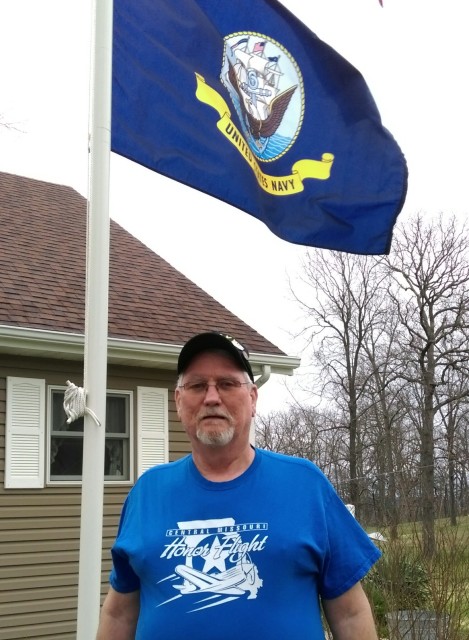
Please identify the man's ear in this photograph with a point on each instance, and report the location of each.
(177, 398)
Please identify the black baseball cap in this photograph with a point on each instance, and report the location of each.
(214, 340)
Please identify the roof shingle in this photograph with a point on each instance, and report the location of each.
(42, 281)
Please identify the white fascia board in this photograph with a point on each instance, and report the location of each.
(70, 346)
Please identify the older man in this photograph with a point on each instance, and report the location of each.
(231, 541)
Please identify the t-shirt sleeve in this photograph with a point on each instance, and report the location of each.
(351, 553)
(122, 577)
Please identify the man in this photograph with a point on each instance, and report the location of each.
(233, 542)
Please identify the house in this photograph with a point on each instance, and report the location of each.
(153, 310)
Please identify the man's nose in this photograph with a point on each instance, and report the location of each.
(211, 395)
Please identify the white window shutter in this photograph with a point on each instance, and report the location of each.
(152, 419)
(25, 439)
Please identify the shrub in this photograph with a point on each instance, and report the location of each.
(398, 581)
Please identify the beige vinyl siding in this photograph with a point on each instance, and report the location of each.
(39, 541)
(179, 444)
(39, 537)
(40, 528)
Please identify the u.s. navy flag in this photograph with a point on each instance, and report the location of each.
(240, 100)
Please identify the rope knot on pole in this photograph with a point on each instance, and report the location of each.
(75, 404)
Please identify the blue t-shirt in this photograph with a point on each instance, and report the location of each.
(248, 558)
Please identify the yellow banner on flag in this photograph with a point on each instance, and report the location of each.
(275, 185)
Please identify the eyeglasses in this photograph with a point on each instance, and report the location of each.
(223, 387)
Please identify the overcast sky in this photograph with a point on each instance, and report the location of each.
(413, 55)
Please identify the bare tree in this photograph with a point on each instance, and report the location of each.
(385, 388)
(452, 401)
(341, 305)
(303, 432)
(430, 271)
(389, 344)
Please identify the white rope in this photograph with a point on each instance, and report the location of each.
(75, 404)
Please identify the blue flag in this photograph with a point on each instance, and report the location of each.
(242, 101)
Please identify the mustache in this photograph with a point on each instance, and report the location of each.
(213, 413)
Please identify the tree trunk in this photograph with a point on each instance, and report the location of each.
(353, 433)
(428, 474)
(391, 510)
(451, 472)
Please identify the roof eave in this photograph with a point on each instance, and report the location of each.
(43, 343)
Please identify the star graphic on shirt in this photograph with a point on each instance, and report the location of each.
(215, 559)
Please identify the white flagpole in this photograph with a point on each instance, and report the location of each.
(96, 322)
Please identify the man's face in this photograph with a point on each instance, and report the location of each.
(216, 417)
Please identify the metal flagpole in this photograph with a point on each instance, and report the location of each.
(96, 322)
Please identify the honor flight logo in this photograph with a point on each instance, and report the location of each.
(266, 91)
(213, 561)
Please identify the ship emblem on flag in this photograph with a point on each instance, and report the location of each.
(266, 90)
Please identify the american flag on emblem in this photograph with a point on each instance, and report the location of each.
(259, 47)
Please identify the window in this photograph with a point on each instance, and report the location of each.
(35, 452)
(66, 440)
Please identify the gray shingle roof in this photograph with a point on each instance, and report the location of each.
(42, 274)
